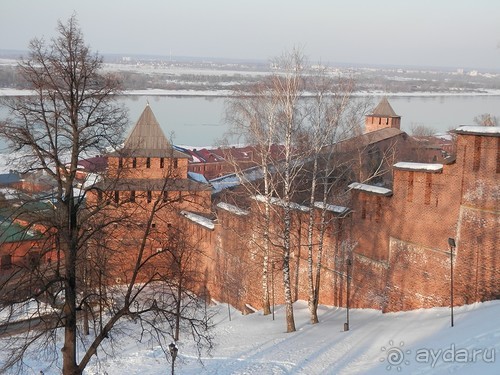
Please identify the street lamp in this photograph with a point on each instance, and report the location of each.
(348, 276)
(173, 352)
(272, 284)
(451, 243)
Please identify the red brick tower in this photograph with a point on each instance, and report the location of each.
(383, 116)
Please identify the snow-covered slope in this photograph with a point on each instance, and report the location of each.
(416, 342)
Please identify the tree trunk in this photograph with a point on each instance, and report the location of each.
(178, 311)
(70, 366)
(313, 296)
(266, 307)
(290, 321)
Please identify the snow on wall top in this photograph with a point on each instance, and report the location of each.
(331, 207)
(233, 209)
(425, 167)
(370, 188)
(203, 221)
(280, 202)
(472, 129)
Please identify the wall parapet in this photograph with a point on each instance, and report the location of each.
(378, 190)
(419, 167)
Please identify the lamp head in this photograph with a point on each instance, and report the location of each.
(173, 350)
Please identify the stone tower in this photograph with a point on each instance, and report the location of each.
(383, 116)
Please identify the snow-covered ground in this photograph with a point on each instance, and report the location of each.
(415, 342)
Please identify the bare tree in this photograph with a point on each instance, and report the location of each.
(486, 119)
(419, 130)
(333, 115)
(254, 116)
(71, 115)
(269, 115)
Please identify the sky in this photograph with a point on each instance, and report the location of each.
(439, 33)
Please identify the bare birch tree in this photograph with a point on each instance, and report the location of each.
(71, 115)
(332, 115)
(254, 116)
(288, 88)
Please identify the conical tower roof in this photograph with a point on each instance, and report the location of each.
(384, 109)
(148, 140)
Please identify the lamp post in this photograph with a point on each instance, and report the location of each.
(451, 243)
(272, 284)
(173, 352)
(348, 276)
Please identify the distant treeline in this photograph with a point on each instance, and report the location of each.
(367, 80)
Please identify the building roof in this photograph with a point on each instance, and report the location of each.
(95, 164)
(384, 109)
(9, 178)
(159, 184)
(362, 141)
(148, 140)
(14, 232)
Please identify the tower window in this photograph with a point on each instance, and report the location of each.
(132, 196)
(162, 162)
(134, 163)
(148, 162)
(150, 196)
(117, 196)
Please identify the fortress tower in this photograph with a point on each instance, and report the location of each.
(383, 116)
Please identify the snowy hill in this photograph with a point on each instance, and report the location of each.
(416, 342)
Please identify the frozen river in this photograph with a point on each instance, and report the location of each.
(199, 120)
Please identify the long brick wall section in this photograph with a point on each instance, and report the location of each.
(397, 243)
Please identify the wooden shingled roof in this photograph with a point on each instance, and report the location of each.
(148, 140)
(384, 109)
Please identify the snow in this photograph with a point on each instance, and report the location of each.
(203, 221)
(281, 202)
(24, 311)
(198, 177)
(331, 207)
(414, 342)
(224, 182)
(231, 208)
(370, 188)
(419, 166)
(478, 129)
(233, 179)
(163, 92)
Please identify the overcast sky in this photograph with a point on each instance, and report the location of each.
(446, 33)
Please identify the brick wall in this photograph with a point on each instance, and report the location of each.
(398, 244)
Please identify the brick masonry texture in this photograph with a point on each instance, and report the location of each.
(398, 244)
